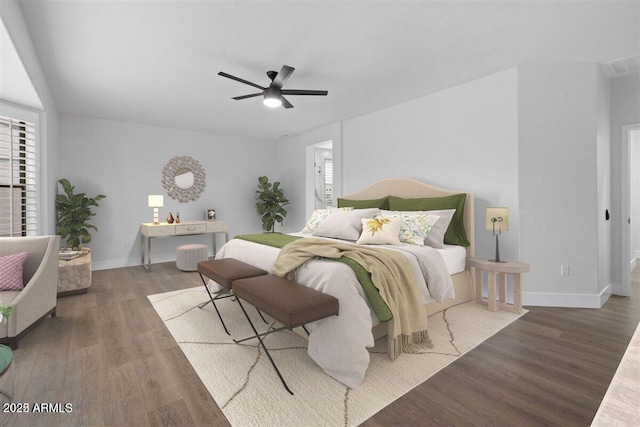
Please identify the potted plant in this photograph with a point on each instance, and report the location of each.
(74, 212)
(270, 203)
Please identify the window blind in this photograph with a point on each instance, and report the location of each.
(18, 178)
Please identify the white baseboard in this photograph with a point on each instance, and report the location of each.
(618, 289)
(633, 264)
(567, 300)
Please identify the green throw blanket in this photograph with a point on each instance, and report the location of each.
(378, 305)
(389, 273)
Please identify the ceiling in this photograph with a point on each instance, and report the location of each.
(156, 62)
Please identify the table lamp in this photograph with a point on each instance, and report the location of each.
(155, 202)
(497, 222)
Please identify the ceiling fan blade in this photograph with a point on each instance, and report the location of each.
(304, 92)
(246, 96)
(238, 79)
(285, 103)
(282, 76)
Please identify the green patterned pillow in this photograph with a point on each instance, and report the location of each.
(455, 234)
(364, 204)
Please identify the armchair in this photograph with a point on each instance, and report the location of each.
(37, 300)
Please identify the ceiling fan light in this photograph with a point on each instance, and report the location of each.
(272, 97)
(272, 102)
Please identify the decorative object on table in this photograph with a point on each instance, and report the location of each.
(67, 254)
(5, 312)
(183, 178)
(170, 218)
(271, 202)
(497, 222)
(211, 215)
(273, 94)
(74, 210)
(156, 201)
(177, 217)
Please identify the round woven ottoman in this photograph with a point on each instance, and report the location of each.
(189, 256)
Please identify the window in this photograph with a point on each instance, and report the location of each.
(18, 179)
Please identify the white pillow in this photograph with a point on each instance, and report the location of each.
(380, 231)
(318, 216)
(345, 225)
(435, 238)
(415, 227)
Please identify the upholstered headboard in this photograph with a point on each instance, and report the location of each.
(410, 188)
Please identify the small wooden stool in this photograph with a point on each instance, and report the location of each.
(290, 303)
(224, 272)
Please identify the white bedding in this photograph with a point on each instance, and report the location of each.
(338, 344)
(455, 258)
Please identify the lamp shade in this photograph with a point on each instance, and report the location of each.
(501, 216)
(272, 98)
(156, 201)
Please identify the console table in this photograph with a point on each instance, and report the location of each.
(150, 231)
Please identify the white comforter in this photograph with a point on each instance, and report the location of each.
(338, 344)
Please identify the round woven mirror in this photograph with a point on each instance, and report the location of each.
(183, 178)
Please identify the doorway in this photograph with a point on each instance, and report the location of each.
(630, 218)
(319, 182)
(323, 165)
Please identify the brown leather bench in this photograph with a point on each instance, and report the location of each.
(225, 272)
(288, 302)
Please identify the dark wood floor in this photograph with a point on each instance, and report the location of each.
(110, 356)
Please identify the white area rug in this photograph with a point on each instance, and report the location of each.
(245, 386)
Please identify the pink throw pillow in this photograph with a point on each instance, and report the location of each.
(11, 272)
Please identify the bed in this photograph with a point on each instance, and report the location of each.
(339, 344)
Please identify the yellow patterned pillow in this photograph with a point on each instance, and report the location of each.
(380, 231)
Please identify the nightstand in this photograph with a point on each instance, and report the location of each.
(501, 269)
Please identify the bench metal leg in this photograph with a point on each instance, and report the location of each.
(214, 304)
(211, 301)
(265, 348)
(264, 334)
(261, 316)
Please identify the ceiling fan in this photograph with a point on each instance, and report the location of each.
(273, 95)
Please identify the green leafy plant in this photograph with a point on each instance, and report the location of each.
(5, 311)
(270, 203)
(74, 212)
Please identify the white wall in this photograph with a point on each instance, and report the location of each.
(430, 139)
(461, 138)
(535, 139)
(48, 119)
(124, 161)
(292, 166)
(634, 193)
(558, 182)
(625, 110)
(603, 156)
